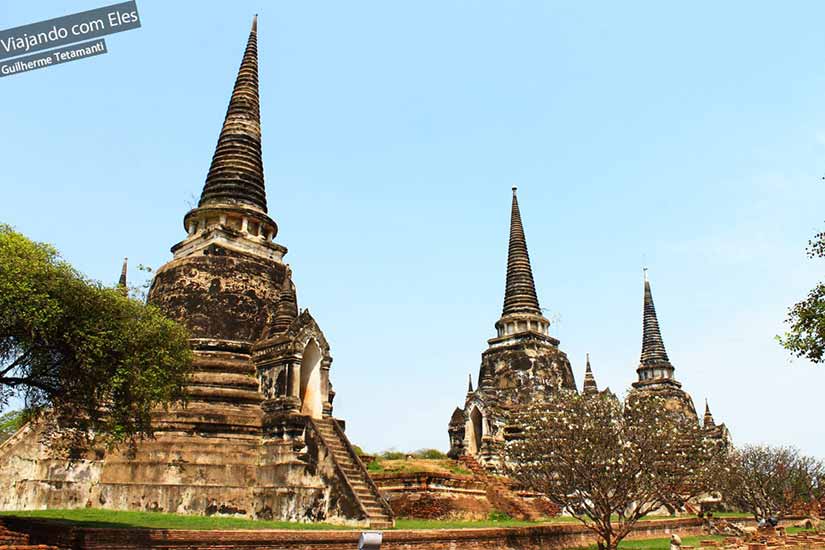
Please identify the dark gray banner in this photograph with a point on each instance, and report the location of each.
(68, 29)
(53, 57)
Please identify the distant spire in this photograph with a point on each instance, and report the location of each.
(236, 175)
(520, 292)
(654, 363)
(121, 284)
(470, 385)
(653, 348)
(708, 420)
(590, 386)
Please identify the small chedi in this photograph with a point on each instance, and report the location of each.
(523, 367)
(257, 437)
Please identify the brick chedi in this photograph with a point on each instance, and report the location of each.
(257, 437)
(656, 374)
(522, 365)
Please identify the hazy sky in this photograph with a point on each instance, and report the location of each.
(689, 138)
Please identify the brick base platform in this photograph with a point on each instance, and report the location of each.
(554, 537)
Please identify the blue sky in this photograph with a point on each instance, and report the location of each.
(688, 138)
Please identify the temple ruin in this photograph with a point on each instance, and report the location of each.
(523, 367)
(257, 437)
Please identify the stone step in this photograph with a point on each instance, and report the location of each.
(381, 525)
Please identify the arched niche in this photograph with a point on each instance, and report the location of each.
(476, 430)
(310, 391)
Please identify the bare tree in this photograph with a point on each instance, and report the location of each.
(607, 463)
(773, 481)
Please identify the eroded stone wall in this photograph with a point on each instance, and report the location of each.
(202, 474)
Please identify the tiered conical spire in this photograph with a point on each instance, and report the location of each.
(520, 292)
(236, 175)
(708, 421)
(653, 348)
(122, 281)
(654, 365)
(287, 309)
(470, 384)
(590, 386)
(122, 285)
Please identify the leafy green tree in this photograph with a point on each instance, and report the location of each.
(98, 361)
(806, 337)
(430, 454)
(10, 422)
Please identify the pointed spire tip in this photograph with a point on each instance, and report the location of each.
(236, 174)
(520, 289)
(123, 271)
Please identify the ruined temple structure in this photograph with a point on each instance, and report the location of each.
(656, 374)
(521, 366)
(257, 437)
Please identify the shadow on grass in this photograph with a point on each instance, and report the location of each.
(96, 518)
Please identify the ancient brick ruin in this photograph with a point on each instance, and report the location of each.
(257, 437)
(656, 375)
(523, 367)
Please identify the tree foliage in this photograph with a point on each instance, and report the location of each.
(99, 361)
(806, 336)
(10, 422)
(607, 463)
(773, 481)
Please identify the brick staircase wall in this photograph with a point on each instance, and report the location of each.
(499, 494)
(378, 512)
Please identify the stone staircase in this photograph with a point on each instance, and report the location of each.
(379, 514)
(499, 494)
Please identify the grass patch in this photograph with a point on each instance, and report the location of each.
(663, 543)
(93, 517)
(416, 465)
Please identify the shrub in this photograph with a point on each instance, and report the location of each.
(430, 454)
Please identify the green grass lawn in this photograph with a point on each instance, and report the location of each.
(91, 517)
(662, 543)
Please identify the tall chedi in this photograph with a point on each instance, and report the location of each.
(522, 365)
(256, 437)
(655, 372)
